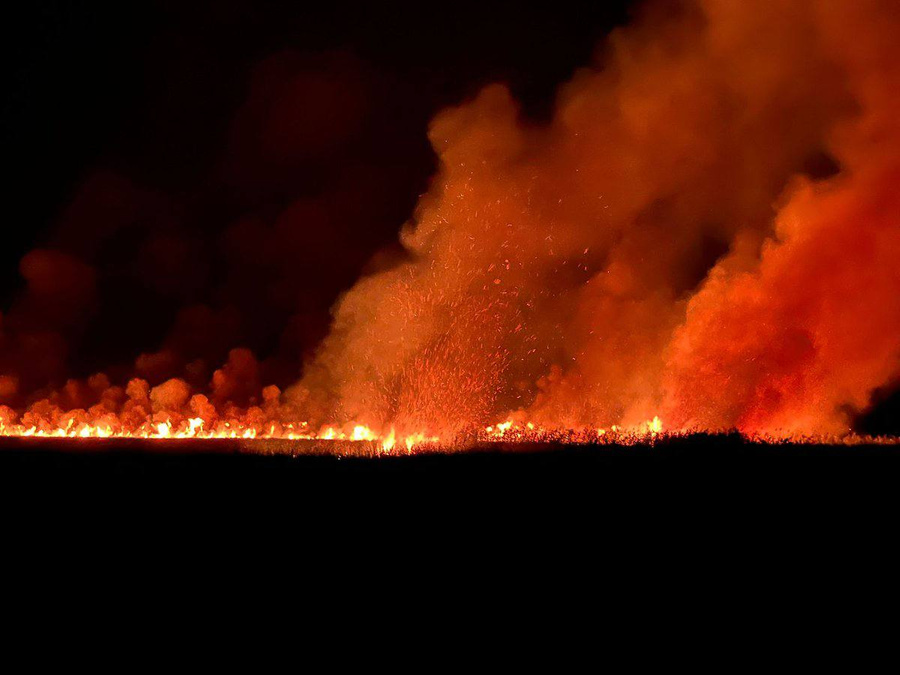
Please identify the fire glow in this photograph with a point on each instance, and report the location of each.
(195, 428)
(74, 426)
(704, 237)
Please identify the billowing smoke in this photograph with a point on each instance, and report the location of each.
(796, 333)
(707, 229)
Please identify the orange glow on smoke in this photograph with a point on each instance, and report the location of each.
(704, 236)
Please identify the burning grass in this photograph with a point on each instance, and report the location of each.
(251, 433)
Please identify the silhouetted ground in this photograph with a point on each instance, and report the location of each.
(236, 459)
(651, 493)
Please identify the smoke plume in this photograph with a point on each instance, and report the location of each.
(707, 229)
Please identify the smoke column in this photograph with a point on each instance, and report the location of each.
(708, 229)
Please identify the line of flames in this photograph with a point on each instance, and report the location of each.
(196, 428)
(509, 431)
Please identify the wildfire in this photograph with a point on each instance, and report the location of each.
(196, 428)
(702, 239)
(78, 424)
(512, 431)
(71, 425)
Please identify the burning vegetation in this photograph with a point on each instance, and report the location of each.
(704, 237)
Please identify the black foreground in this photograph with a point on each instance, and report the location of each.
(649, 491)
(239, 458)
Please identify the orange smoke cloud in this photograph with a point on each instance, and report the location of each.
(797, 336)
(707, 228)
